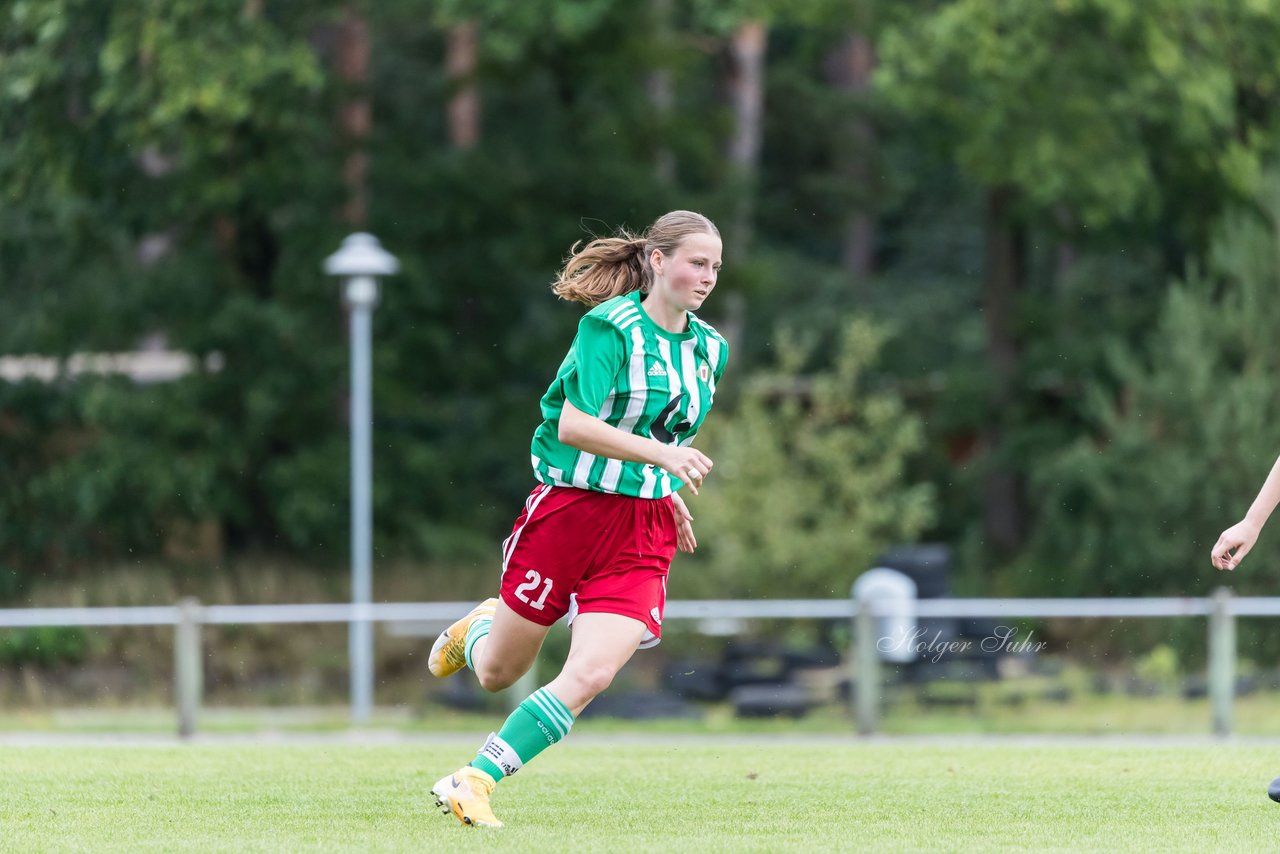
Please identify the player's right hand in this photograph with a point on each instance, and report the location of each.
(685, 540)
(1233, 545)
(687, 464)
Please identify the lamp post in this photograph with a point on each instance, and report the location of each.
(359, 261)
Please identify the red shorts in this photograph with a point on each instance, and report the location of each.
(576, 551)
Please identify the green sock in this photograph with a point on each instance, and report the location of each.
(479, 628)
(536, 724)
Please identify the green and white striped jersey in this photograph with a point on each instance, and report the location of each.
(638, 377)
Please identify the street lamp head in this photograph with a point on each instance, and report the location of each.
(361, 255)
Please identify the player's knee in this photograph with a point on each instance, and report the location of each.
(495, 678)
(592, 678)
(492, 682)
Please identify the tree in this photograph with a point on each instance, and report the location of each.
(1092, 114)
(1177, 453)
(134, 121)
(810, 480)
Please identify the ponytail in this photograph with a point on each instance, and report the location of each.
(603, 269)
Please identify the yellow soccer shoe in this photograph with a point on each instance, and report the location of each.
(465, 795)
(449, 652)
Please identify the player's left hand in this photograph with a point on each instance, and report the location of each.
(685, 541)
(1233, 545)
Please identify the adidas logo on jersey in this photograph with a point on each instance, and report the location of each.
(656, 370)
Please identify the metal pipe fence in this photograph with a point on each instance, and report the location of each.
(188, 616)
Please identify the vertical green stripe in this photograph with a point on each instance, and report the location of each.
(555, 707)
(547, 716)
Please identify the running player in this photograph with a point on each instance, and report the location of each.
(597, 535)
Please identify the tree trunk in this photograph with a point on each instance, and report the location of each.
(1004, 510)
(661, 92)
(355, 116)
(849, 71)
(747, 92)
(464, 102)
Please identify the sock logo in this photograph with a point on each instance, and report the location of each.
(497, 751)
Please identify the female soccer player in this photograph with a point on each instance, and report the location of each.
(596, 537)
(1236, 541)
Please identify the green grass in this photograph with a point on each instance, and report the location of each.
(1084, 714)
(647, 794)
(1089, 714)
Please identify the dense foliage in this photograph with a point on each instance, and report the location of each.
(1189, 437)
(810, 476)
(175, 173)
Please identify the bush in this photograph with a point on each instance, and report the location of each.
(810, 477)
(46, 646)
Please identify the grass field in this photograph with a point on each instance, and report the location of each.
(636, 793)
(1087, 714)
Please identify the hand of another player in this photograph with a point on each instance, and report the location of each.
(685, 541)
(1233, 545)
(688, 464)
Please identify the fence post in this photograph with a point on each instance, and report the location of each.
(188, 669)
(866, 686)
(1222, 660)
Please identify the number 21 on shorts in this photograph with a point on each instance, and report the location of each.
(535, 580)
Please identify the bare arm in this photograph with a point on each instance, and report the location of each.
(1236, 541)
(588, 433)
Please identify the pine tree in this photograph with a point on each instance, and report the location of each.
(810, 480)
(1185, 431)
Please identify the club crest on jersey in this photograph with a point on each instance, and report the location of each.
(704, 371)
(656, 370)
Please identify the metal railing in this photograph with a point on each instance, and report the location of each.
(188, 616)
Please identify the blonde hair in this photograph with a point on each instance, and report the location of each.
(611, 266)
